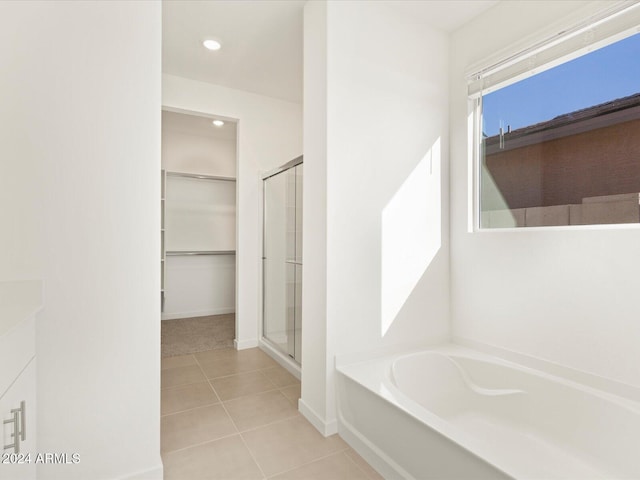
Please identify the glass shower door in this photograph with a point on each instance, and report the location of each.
(282, 261)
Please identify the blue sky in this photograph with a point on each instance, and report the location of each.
(606, 74)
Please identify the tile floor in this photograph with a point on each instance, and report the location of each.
(230, 414)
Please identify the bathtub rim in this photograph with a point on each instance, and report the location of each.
(451, 433)
(372, 371)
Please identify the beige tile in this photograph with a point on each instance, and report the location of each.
(256, 361)
(334, 467)
(280, 377)
(215, 355)
(177, 361)
(364, 466)
(256, 357)
(242, 384)
(227, 459)
(195, 426)
(229, 362)
(292, 392)
(174, 377)
(221, 367)
(257, 410)
(177, 399)
(288, 444)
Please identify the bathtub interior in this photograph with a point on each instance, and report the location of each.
(530, 418)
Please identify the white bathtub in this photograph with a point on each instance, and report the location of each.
(450, 412)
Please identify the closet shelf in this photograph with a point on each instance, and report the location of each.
(175, 253)
(201, 177)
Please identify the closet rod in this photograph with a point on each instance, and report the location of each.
(176, 253)
(202, 177)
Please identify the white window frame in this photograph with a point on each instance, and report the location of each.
(621, 19)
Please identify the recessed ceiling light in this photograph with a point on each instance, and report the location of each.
(212, 44)
(218, 123)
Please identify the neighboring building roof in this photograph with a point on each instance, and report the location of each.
(616, 111)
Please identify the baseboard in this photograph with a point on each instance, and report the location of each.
(198, 313)
(325, 428)
(155, 473)
(244, 344)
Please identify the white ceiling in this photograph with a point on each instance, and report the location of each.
(261, 44)
(446, 15)
(262, 39)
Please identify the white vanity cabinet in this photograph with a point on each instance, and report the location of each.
(18, 308)
(20, 466)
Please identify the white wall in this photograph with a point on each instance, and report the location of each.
(382, 168)
(269, 134)
(192, 152)
(316, 363)
(21, 241)
(567, 296)
(81, 90)
(182, 152)
(197, 286)
(200, 214)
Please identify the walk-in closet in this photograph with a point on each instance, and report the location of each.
(198, 233)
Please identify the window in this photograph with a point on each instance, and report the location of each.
(562, 145)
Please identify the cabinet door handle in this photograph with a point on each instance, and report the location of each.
(19, 431)
(16, 434)
(23, 428)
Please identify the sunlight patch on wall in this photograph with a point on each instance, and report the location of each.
(411, 234)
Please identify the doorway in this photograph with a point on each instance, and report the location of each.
(198, 233)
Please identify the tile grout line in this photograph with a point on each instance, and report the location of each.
(199, 363)
(226, 347)
(212, 388)
(270, 424)
(190, 409)
(234, 424)
(255, 460)
(219, 402)
(169, 368)
(275, 387)
(222, 403)
(225, 411)
(243, 442)
(199, 444)
(255, 395)
(232, 434)
(358, 466)
(338, 452)
(241, 373)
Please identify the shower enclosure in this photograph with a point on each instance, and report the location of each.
(282, 259)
